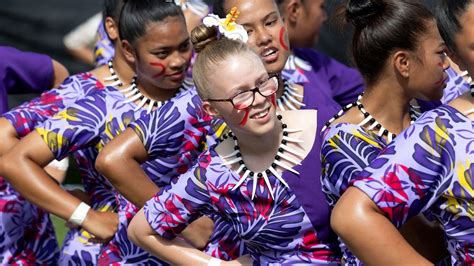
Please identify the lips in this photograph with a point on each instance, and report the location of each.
(176, 75)
(261, 114)
(269, 55)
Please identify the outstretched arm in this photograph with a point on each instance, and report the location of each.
(23, 168)
(369, 234)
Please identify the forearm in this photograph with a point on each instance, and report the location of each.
(33, 183)
(129, 179)
(7, 135)
(176, 252)
(369, 234)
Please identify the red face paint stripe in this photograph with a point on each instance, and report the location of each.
(282, 39)
(246, 118)
(158, 65)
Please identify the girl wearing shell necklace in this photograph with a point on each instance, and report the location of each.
(259, 180)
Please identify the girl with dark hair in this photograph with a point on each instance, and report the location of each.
(428, 168)
(20, 121)
(259, 180)
(398, 50)
(155, 40)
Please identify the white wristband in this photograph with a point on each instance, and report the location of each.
(79, 214)
(214, 262)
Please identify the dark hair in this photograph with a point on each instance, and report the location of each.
(112, 9)
(448, 13)
(137, 14)
(380, 27)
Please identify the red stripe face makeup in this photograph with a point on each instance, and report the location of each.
(160, 67)
(246, 117)
(284, 39)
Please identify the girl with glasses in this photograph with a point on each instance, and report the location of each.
(257, 180)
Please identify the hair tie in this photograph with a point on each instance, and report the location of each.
(227, 26)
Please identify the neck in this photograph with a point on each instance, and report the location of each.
(122, 68)
(155, 93)
(261, 145)
(388, 105)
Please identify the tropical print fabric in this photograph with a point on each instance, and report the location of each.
(104, 49)
(91, 123)
(347, 149)
(455, 87)
(28, 235)
(429, 167)
(275, 231)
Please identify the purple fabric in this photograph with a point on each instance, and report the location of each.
(23, 72)
(342, 83)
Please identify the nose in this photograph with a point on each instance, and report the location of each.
(179, 60)
(258, 99)
(263, 37)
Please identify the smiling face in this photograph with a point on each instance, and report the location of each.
(267, 33)
(162, 55)
(464, 41)
(242, 72)
(427, 77)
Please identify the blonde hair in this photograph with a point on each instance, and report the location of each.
(212, 51)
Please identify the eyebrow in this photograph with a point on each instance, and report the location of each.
(263, 19)
(170, 47)
(240, 89)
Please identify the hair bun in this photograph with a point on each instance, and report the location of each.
(201, 36)
(362, 12)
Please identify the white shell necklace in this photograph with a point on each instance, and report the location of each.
(236, 157)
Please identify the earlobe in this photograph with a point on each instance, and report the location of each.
(128, 51)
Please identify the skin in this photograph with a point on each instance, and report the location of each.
(165, 50)
(258, 140)
(386, 245)
(304, 20)
(161, 57)
(266, 32)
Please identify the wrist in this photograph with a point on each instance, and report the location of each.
(80, 213)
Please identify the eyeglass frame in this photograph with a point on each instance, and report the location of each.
(254, 90)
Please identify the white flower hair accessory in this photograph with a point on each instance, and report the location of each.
(228, 27)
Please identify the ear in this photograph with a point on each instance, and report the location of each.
(293, 11)
(401, 62)
(128, 51)
(111, 29)
(210, 109)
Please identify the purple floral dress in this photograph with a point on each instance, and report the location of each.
(429, 167)
(89, 125)
(290, 229)
(27, 233)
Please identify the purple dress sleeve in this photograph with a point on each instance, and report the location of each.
(174, 207)
(23, 72)
(76, 127)
(29, 115)
(346, 83)
(181, 124)
(413, 171)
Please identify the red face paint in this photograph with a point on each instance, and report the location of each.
(159, 66)
(246, 117)
(283, 39)
(273, 99)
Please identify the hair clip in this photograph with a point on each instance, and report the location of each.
(227, 26)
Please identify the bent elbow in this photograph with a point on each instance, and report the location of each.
(105, 162)
(340, 219)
